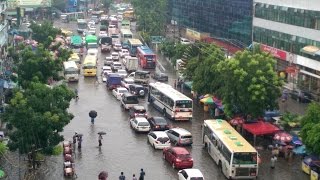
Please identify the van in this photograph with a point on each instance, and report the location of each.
(128, 100)
(180, 137)
(93, 52)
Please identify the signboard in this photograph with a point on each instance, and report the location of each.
(195, 35)
(34, 3)
(277, 53)
(156, 39)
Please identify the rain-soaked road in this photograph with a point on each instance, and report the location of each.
(124, 150)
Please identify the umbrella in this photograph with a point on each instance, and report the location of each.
(296, 140)
(207, 100)
(236, 121)
(93, 114)
(283, 137)
(300, 150)
(18, 37)
(103, 175)
(78, 135)
(205, 96)
(102, 133)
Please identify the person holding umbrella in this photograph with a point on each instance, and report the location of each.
(93, 114)
(99, 140)
(74, 138)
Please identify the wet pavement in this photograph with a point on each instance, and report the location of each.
(124, 150)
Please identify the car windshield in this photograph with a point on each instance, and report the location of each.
(140, 111)
(116, 64)
(184, 156)
(132, 100)
(245, 158)
(160, 121)
(163, 139)
(143, 124)
(123, 90)
(196, 178)
(186, 137)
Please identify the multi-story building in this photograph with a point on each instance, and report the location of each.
(3, 30)
(228, 20)
(290, 30)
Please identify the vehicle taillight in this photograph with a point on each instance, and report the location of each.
(190, 159)
(157, 126)
(135, 114)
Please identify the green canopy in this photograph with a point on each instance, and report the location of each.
(2, 174)
(91, 39)
(76, 40)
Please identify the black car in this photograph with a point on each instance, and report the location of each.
(138, 111)
(301, 96)
(137, 90)
(160, 76)
(158, 124)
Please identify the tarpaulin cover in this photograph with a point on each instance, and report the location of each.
(260, 128)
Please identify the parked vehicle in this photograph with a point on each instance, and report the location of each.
(108, 61)
(126, 82)
(160, 76)
(137, 90)
(140, 124)
(138, 111)
(178, 157)
(65, 18)
(123, 53)
(131, 63)
(180, 136)
(301, 96)
(158, 124)
(116, 66)
(117, 93)
(115, 56)
(113, 81)
(190, 174)
(123, 73)
(117, 47)
(140, 77)
(159, 140)
(128, 100)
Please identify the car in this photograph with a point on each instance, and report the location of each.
(118, 92)
(178, 157)
(103, 33)
(112, 17)
(138, 111)
(159, 140)
(117, 47)
(128, 100)
(95, 19)
(184, 41)
(106, 68)
(92, 31)
(138, 90)
(123, 73)
(112, 29)
(160, 76)
(126, 82)
(120, 17)
(108, 61)
(91, 22)
(104, 17)
(190, 174)
(140, 124)
(124, 52)
(116, 66)
(158, 124)
(180, 136)
(115, 56)
(301, 96)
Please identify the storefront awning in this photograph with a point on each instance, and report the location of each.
(311, 50)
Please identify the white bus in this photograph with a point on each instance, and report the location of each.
(71, 71)
(125, 34)
(82, 25)
(232, 153)
(170, 102)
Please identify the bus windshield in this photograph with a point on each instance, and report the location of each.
(184, 104)
(245, 158)
(82, 25)
(129, 36)
(71, 71)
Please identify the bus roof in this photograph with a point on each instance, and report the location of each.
(145, 50)
(135, 42)
(90, 60)
(81, 21)
(125, 31)
(169, 91)
(70, 64)
(229, 136)
(125, 21)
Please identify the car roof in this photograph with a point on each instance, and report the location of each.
(139, 107)
(116, 63)
(180, 150)
(128, 80)
(115, 53)
(194, 172)
(141, 119)
(180, 131)
(160, 133)
(121, 88)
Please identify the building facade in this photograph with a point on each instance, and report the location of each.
(290, 30)
(228, 20)
(3, 31)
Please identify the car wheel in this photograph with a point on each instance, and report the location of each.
(173, 166)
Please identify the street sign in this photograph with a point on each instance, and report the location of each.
(156, 39)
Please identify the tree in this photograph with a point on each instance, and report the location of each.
(106, 3)
(3, 148)
(310, 131)
(44, 33)
(250, 83)
(38, 114)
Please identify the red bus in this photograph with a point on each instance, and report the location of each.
(147, 59)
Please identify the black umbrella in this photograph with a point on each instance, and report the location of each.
(93, 114)
(102, 133)
(78, 135)
(103, 175)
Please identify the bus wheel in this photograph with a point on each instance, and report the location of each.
(164, 113)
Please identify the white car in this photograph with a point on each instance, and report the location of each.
(140, 124)
(92, 31)
(190, 174)
(104, 17)
(123, 73)
(124, 52)
(116, 66)
(108, 61)
(112, 17)
(117, 47)
(159, 139)
(184, 41)
(118, 92)
(103, 34)
(126, 82)
(105, 74)
(115, 56)
(106, 68)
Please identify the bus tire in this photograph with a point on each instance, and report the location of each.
(164, 112)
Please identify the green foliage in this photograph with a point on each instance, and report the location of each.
(106, 3)
(289, 121)
(40, 33)
(310, 131)
(167, 48)
(3, 148)
(57, 150)
(250, 83)
(38, 114)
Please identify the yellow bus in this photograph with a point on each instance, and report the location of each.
(236, 158)
(90, 66)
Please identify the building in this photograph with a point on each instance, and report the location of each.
(227, 20)
(290, 30)
(3, 31)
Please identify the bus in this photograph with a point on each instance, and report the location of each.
(125, 24)
(232, 153)
(82, 25)
(90, 66)
(113, 21)
(129, 15)
(147, 59)
(133, 44)
(71, 71)
(125, 35)
(170, 102)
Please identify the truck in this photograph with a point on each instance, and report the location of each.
(140, 77)
(131, 63)
(113, 81)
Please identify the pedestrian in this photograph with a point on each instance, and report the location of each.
(76, 92)
(97, 80)
(273, 161)
(134, 177)
(74, 138)
(142, 174)
(175, 84)
(79, 142)
(122, 177)
(99, 140)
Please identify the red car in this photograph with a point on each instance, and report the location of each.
(178, 157)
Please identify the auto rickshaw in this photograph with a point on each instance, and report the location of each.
(308, 163)
(315, 171)
(68, 169)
